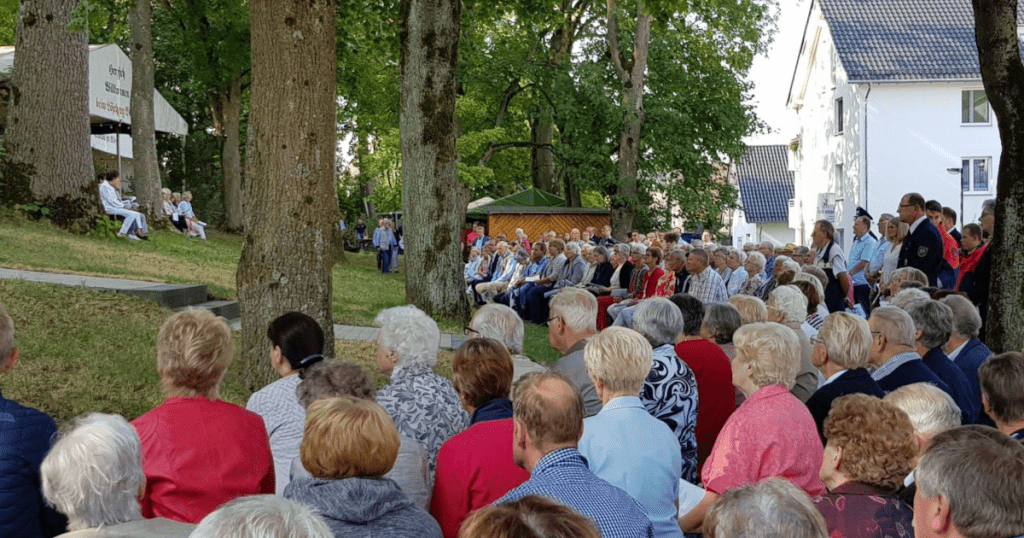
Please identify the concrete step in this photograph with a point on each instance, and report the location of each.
(225, 309)
(166, 295)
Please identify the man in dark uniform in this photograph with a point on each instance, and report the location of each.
(922, 249)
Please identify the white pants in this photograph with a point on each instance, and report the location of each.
(199, 229)
(132, 220)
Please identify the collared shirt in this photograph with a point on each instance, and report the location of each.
(769, 266)
(893, 364)
(833, 377)
(707, 286)
(736, 280)
(953, 354)
(562, 475)
(109, 197)
(632, 450)
(913, 227)
(496, 409)
(862, 249)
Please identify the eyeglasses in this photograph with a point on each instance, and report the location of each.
(815, 341)
(906, 205)
(469, 330)
(552, 319)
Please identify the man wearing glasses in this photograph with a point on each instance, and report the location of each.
(922, 249)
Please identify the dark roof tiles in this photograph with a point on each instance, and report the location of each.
(894, 40)
(766, 184)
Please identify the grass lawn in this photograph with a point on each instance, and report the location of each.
(85, 351)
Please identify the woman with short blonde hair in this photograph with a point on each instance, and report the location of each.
(348, 445)
(772, 434)
(198, 451)
(752, 309)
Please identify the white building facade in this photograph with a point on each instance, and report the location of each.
(886, 108)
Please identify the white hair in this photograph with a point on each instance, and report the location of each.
(501, 323)
(757, 259)
(904, 298)
(262, 516)
(930, 409)
(659, 320)
(577, 307)
(790, 301)
(574, 247)
(93, 473)
(410, 333)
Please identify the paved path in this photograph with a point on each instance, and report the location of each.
(137, 287)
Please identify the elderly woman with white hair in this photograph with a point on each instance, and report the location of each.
(774, 508)
(787, 305)
(772, 434)
(670, 391)
(755, 273)
(197, 226)
(93, 475)
(503, 324)
(841, 355)
(262, 516)
(424, 405)
(171, 212)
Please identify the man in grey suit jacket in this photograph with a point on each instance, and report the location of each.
(573, 321)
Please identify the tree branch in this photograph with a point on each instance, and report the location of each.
(613, 43)
(513, 89)
(493, 149)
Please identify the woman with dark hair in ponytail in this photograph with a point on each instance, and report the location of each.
(296, 343)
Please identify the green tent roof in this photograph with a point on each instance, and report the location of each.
(531, 197)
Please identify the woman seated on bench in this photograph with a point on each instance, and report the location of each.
(185, 209)
(134, 227)
(171, 212)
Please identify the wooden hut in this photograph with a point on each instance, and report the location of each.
(536, 212)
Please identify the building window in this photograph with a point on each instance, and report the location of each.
(839, 115)
(974, 107)
(974, 174)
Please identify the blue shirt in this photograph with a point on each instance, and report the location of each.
(863, 249)
(562, 475)
(632, 450)
(879, 258)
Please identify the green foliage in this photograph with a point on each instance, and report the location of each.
(106, 227)
(8, 19)
(33, 210)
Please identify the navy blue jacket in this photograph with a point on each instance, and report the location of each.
(25, 436)
(969, 360)
(959, 388)
(923, 250)
(856, 381)
(603, 275)
(910, 372)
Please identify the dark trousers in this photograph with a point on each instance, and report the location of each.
(947, 277)
(385, 260)
(862, 296)
(537, 305)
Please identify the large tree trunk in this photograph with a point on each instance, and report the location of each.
(146, 182)
(48, 157)
(290, 201)
(433, 199)
(631, 73)
(226, 109)
(1002, 72)
(542, 161)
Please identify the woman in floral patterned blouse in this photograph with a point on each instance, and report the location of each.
(423, 405)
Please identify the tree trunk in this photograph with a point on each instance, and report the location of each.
(542, 161)
(290, 201)
(995, 30)
(146, 182)
(226, 109)
(48, 157)
(631, 73)
(433, 199)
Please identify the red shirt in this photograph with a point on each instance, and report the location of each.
(199, 454)
(474, 469)
(716, 396)
(950, 249)
(771, 435)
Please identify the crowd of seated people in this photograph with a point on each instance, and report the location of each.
(701, 411)
(176, 207)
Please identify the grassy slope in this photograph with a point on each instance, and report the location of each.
(84, 351)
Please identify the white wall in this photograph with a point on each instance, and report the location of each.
(828, 160)
(911, 133)
(914, 135)
(778, 233)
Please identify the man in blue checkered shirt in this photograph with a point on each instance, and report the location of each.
(547, 414)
